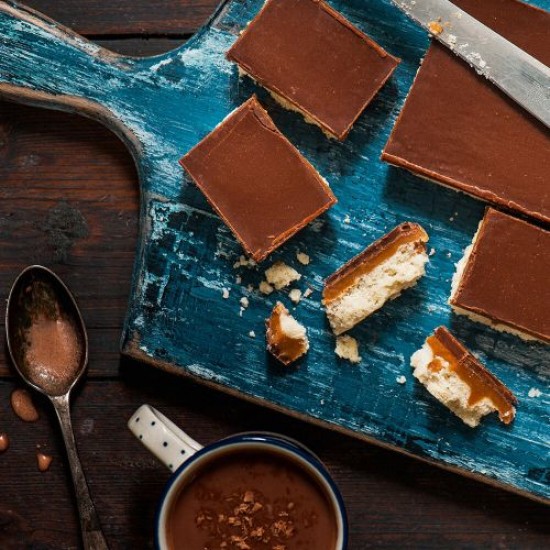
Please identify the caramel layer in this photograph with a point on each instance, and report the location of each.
(377, 253)
(481, 382)
(285, 349)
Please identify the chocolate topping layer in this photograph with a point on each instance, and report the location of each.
(256, 180)
(459, 130)
(308, 54)
(482, 384)
(506, 277)
(373, 255)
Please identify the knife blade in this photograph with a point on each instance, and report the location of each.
(519, 75)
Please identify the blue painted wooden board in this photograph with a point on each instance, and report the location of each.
(177, 318)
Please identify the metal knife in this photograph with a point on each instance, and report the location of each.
(519, 75)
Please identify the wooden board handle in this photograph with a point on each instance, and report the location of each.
(44, 63)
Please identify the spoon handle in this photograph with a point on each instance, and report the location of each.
(92, 536)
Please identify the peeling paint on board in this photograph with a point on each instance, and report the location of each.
(161, 107)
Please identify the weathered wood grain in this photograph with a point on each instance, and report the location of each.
(392, 502)
(163, 106)
(69, 200)
(124, 17)
(141, 47)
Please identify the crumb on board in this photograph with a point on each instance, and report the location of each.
(308, 292)
(347, 219)
(534, 392)
(435, 27)
(448, 254)
(225, 293)
(244, 302)
(432, 252)
(252, 334)
(303, 258)
(266, 288)
(243, 261)
(401, 379)
(280, 275)
(295, 295)
(238, 279)
(347, 348)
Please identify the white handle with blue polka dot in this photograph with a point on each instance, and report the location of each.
(162, 437)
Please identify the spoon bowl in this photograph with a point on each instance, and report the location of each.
(48, 345)
(39, 298)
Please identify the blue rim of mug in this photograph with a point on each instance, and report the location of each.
(273, 440)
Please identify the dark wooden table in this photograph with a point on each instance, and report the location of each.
(69, 199)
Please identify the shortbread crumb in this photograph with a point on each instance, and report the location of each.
(266, 288)
(244, 262)
(347, 348)
(303, 258)
(225, 293)
(401, 379)
(295, 295)
(280, 275)
(534, 392)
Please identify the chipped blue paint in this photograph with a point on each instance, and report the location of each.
(177, 317)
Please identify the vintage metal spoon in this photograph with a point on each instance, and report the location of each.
(48, 345)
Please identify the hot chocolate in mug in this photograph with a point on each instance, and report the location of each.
(246, 492)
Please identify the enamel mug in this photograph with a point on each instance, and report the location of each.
(185, 457)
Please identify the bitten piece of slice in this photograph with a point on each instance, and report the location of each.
(286, 338)
(378, 274)
(256, 180)
(456, 378)
(503, 279)
(313, 61)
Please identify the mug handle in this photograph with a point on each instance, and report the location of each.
(162, 437)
